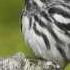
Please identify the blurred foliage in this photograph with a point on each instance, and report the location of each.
(10, 34)
(10, 9)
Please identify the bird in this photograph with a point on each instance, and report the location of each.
(46, 28)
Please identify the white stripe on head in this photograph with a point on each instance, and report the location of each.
(61, 19)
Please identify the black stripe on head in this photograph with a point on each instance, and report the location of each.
(46, 41)
(62, 26)
(61, 50)
(58, 11)
(30, 22)
(54, 34)
(42, 24)
(65, 5)
(36, 31)
(66, 33)
(45, 16)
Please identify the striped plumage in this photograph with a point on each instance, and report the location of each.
(46, 28)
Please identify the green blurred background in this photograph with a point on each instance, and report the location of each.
(11, 40)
